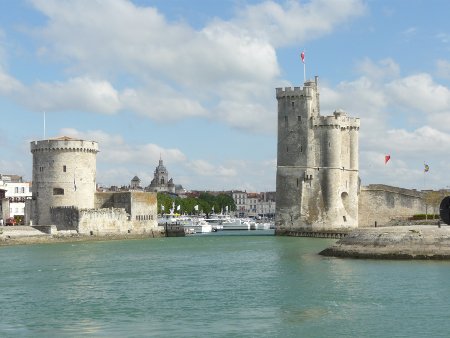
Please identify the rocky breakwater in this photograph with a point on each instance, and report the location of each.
(402, 242)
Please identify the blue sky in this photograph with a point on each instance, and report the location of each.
(194, 82)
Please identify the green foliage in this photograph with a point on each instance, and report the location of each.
(206, 202)
(164, 200)
(420, 217)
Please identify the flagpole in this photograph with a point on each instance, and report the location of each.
(424, 177)
(304, 72)
(302, 56)
(425, 170)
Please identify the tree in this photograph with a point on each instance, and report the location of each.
(164, 200)
(224, 200)
(433, 199)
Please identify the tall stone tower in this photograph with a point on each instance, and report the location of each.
(317, 164)
(64, 171)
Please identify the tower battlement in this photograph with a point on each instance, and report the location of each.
(64, 144)
(337, 120)
(289, 91)
(306, 90)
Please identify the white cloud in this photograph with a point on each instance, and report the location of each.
(132, 41)
(161, 103)
(204, 168)
(9, 85)
(385, 68)
(420, 92)
(440, 120)
(118, 162)
(424, 140)
(81, 93)
(293, 22)
(181, 72)
(361, 97)
(115, 150)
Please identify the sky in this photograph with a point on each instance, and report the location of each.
(193, 82)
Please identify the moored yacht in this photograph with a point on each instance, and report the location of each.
(236, 224)
(190, 224)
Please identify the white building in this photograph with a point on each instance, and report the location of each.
(254, 204)
(16, 192)
(240, 199)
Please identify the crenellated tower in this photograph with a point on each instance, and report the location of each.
(64, 173)
(317, 164)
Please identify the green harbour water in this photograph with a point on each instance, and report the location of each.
(217, 286)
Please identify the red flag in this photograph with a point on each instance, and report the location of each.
(302, 55)
(387, 158)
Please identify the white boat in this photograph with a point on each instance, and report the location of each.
(216, 221)
(264, 226)
(201, 226)
(169, 219)
(190, 224)
(236, 224)
(195, 225)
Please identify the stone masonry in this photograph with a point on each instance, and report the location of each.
(317, 164)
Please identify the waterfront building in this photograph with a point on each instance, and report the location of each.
(240, 200)
(317, 164)
(254, 204)
(266, 205)
(15, 192)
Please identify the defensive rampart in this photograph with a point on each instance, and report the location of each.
(382, 204)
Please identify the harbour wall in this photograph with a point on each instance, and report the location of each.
(114, 213)
(383, 204)
(378, 204)
(90, 221)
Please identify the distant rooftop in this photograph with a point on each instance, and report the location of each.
(11, 178)
(64, 138)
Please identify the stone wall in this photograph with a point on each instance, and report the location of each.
(140, 206)
(384, 204)
(103, 221)
(65, 218)
(115, 213)
(113, 200)
(144, 211)
(90, 221)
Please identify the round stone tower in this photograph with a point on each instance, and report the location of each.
(64, 171)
